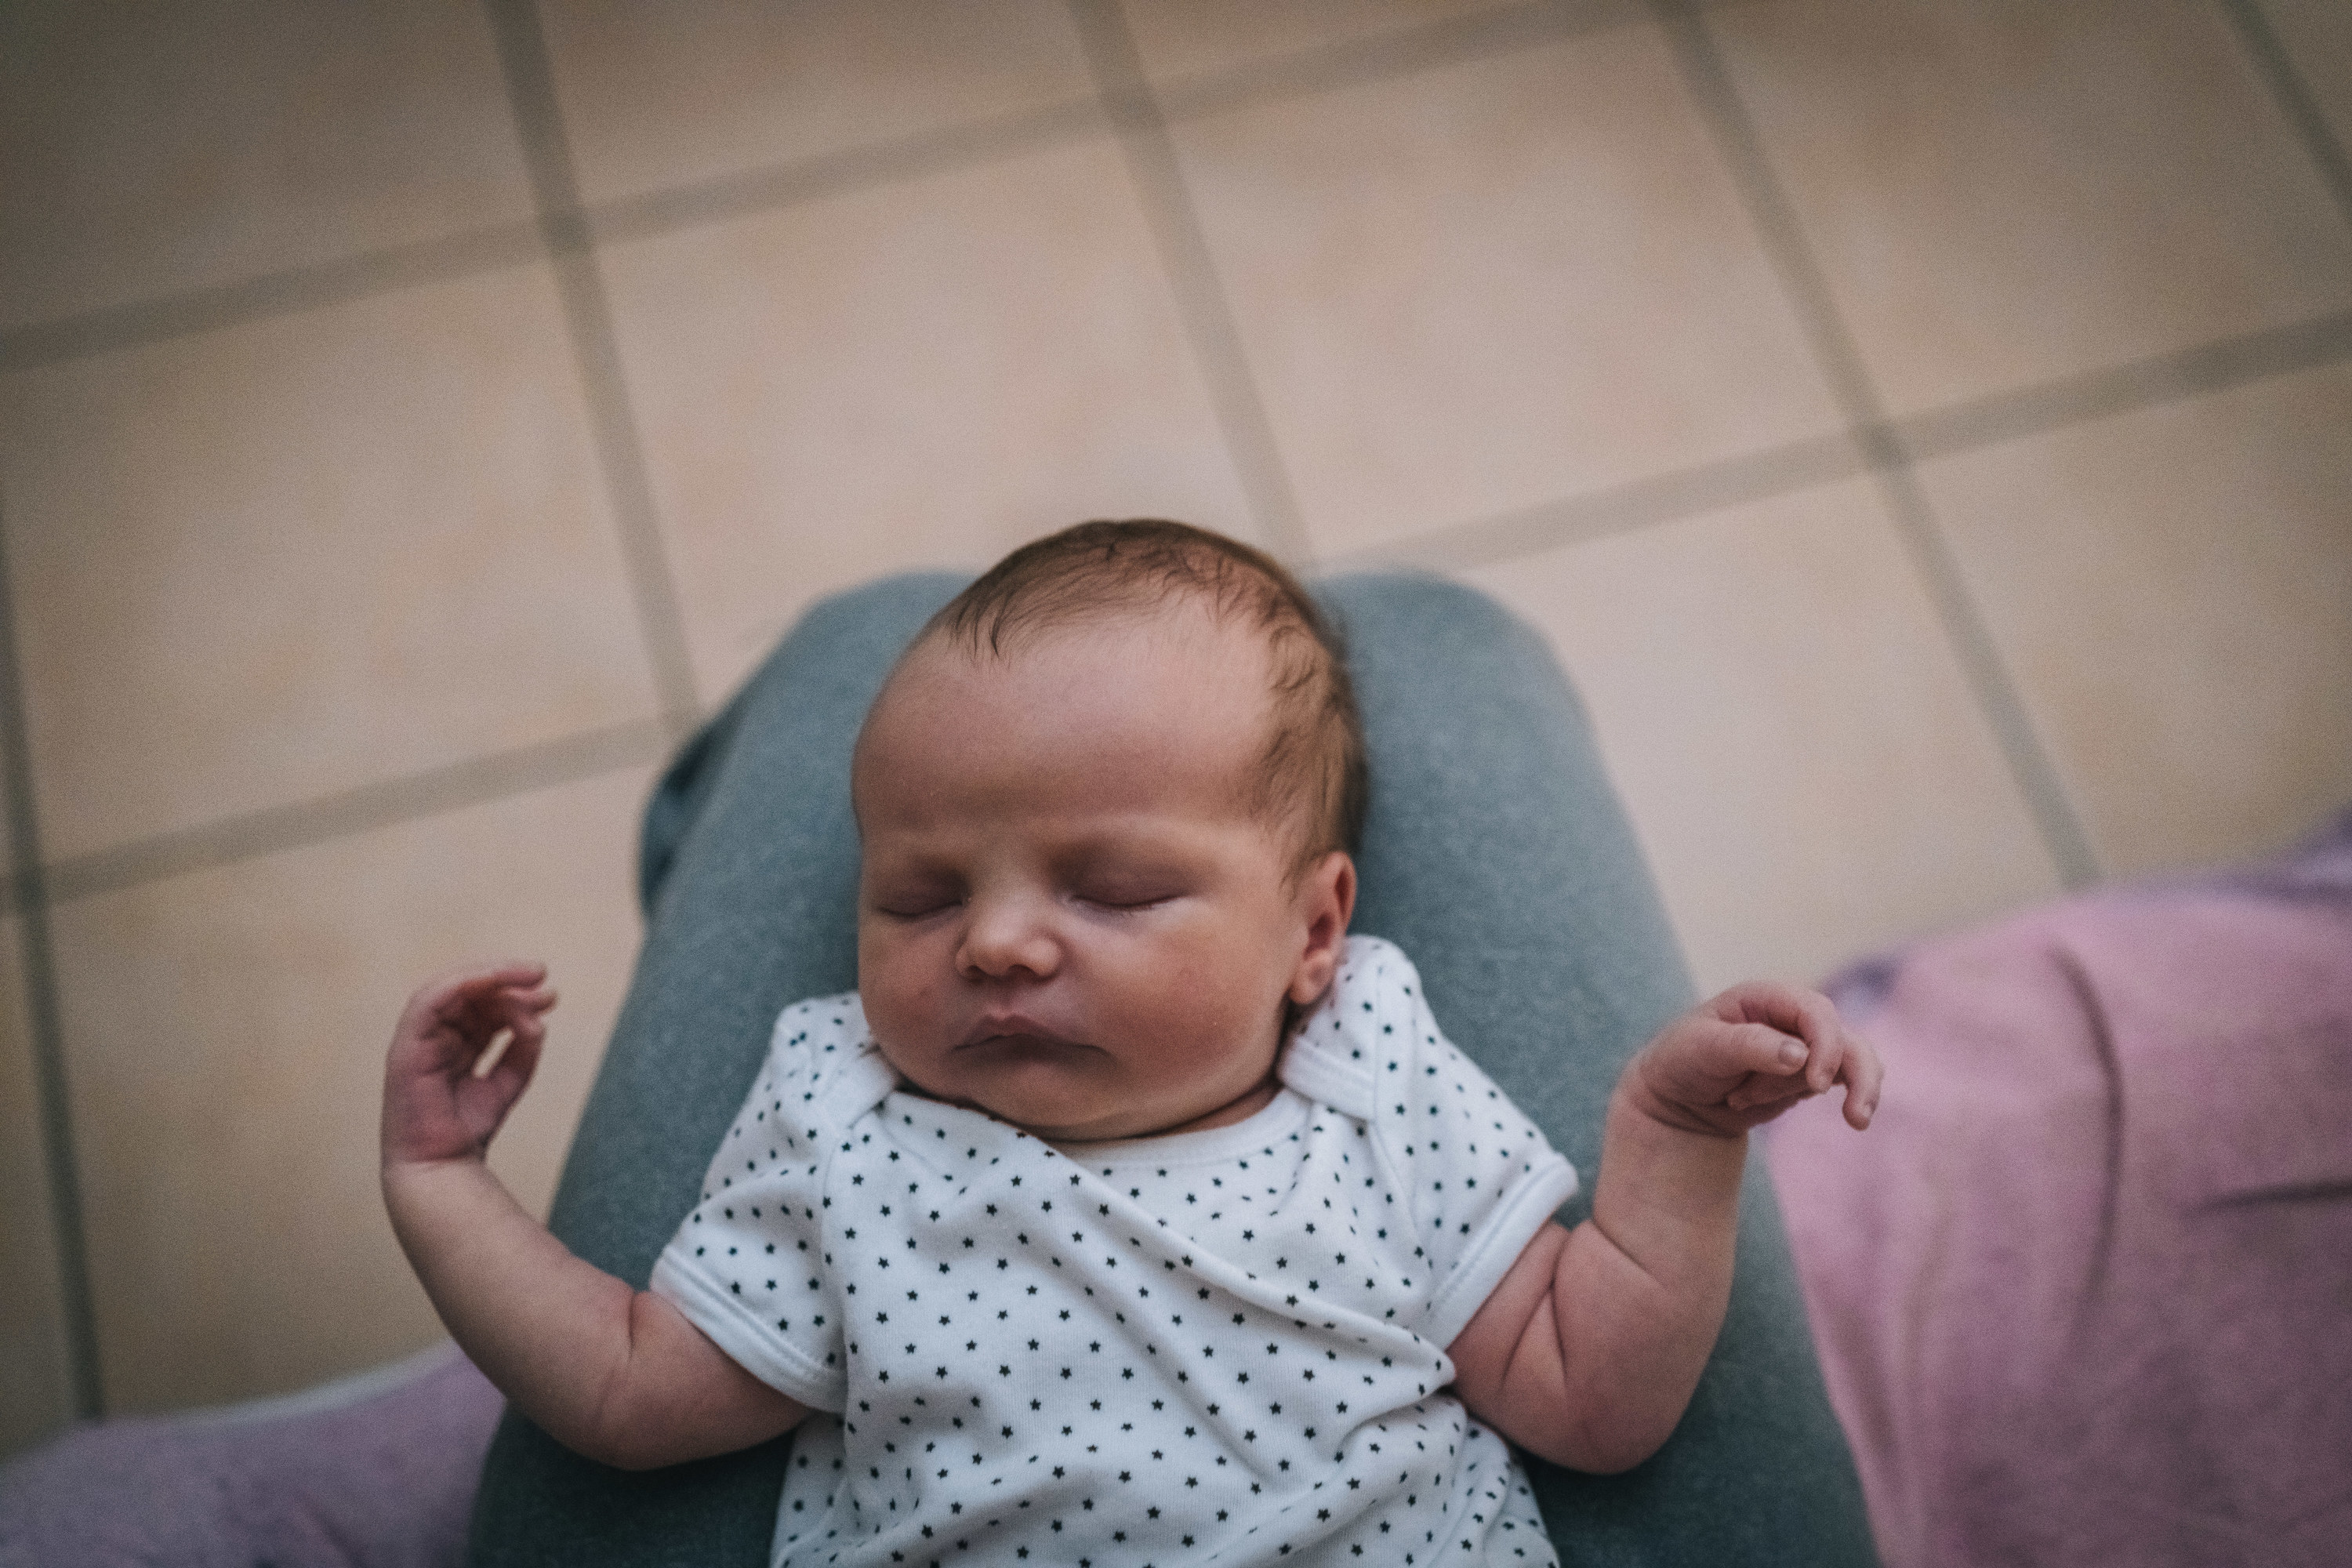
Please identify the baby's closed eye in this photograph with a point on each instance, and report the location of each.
(1125, 893)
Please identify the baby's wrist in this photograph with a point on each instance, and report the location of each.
(1640, 1099)
(415, 1171)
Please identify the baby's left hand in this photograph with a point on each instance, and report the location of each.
(1740, 1059)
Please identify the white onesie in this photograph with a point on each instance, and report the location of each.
(1226, 1346)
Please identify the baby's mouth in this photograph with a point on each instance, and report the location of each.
(1017, 1032)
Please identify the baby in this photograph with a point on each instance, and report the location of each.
(1130, 1211)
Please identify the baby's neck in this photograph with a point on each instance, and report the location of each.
(1241, 1108)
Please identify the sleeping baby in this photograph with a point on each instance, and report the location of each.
(1130, 1211)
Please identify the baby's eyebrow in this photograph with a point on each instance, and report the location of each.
(1130, 848)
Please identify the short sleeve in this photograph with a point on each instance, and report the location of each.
(1475, 1172)
(747, 1264)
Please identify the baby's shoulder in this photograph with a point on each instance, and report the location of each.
(1371, 1022)
(821, 1055)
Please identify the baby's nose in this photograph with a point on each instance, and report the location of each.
(1006, 937)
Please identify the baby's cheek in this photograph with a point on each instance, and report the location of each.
(903, 1011)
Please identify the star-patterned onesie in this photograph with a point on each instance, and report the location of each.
(1215, 1347)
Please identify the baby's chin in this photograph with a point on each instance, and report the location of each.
(1042, 1088)
(1048, 1105)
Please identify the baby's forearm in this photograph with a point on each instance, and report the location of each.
(1588, 1351)
(611, 1372)
(1643, 1285)
(543, 1325)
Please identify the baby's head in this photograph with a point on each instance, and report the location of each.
(1108, 800)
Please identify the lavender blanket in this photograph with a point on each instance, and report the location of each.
(376, 1471)
(2084, 1292)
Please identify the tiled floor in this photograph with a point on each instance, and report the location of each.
(1922, 427)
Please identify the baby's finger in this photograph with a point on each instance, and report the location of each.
(1792, 1009)
(1813, 1017)
(482, 978)
(1827, 1059)
(514, 1017)
(1864, 1074)
(1762, 1048)
(512, 1005)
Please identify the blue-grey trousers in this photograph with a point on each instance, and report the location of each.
(1495, 855)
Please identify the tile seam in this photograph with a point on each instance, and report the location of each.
(364, 274)
(2177, 375)
(482, 779)
(45, 1023)
(1994, 689)
(2268, 55)
(619, 450)
(1648, 502)
(779, 187)
(2019, 414)
(1386, 56)
(1202, 303)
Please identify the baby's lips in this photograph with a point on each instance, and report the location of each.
(1016, 1026)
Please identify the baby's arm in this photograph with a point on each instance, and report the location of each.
(1588, 1351)
(617, 1374)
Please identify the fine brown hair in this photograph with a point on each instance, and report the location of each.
(1313, 765)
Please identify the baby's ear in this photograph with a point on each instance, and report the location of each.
(1327, 898)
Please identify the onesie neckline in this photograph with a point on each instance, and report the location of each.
(1282, 1116)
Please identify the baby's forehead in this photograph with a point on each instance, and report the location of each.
(1112, 643)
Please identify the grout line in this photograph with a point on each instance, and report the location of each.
(2270, 60)
(1201, 300)
(2120, 389)
(1972, 644)
(539, 122)
(2011, 416)
(45, 1022)
(1403, 51)
(773, 187)
(1618, 509)
(282, 293)
(780, 185)
(477, 781)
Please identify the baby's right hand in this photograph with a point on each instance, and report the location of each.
(1739, 1060)
(443, 1098)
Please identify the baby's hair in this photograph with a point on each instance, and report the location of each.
(1313, 765)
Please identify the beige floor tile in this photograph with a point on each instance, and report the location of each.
(2173, 590)
(1788, 730)
(925, 373)
(173, 147)
(1185, 38)
(36, 1386)
(2004, 192)
(2317, 35)
(1488, 286)
(659, 94)
(285, 559)
(226, 1034)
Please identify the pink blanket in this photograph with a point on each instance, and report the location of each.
(2084, 1292)
(375, 1471)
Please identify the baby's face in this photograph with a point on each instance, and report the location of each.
(1068, 914)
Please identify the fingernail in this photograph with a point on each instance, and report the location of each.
(1792, 1052)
